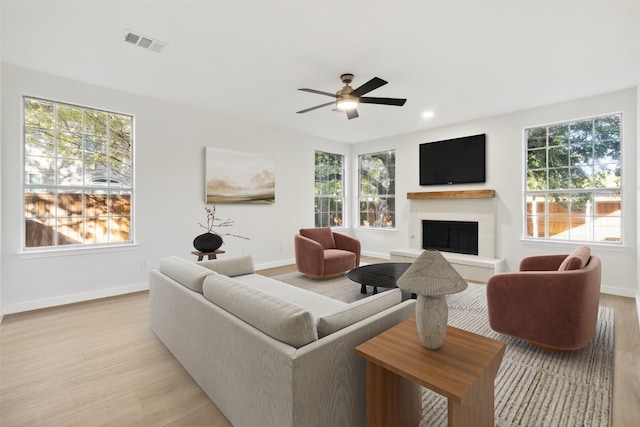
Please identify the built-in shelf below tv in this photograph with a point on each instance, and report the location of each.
(453, 161)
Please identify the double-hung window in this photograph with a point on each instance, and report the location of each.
(377, 188)
(78, 175)
(328, 189)
(573, 180)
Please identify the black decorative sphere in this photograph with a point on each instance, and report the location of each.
(207, 242)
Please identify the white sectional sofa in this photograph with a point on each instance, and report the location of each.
(265, 352)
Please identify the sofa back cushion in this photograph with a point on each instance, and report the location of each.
(281, 320)
(316, 304)
(576, 260)
(187, 273)
(322, 235)
(231, 266)
(357, 311)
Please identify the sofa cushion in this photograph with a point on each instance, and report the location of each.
(316, 304)
(576, 260)
(322, 235)
(187, 273)
(357, 311)
(280, 319)
(230, 266)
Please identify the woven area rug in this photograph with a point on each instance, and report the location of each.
(533, 387)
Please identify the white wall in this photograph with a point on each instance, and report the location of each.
(169, 198)
(505, 168)
(1, 199)
(638, 208)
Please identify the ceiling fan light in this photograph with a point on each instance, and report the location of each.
(346, 104)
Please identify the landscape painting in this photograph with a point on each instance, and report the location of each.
(238, 177)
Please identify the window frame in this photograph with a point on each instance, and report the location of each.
(390, 195)
(99, 188)
(341, 197)
(573, 191)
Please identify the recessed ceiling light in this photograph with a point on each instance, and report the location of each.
(427, 114)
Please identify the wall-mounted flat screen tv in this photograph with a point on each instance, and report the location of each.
(453, 161)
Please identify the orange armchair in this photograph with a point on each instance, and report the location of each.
(321, 253)
(552, 302)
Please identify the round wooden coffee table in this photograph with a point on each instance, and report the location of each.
(384, 275)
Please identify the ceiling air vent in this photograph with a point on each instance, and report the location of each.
(144, 41)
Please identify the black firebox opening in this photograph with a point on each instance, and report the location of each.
(450, 236)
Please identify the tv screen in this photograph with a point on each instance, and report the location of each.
(453, 161)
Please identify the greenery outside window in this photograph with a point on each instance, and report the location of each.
(78, 175)
(377, 188)
(328, 189)
(573, 181)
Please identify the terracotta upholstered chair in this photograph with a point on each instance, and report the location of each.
(321, 253)
(552, 302)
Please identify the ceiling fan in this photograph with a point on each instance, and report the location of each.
(348, 98)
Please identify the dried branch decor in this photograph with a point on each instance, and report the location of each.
(215, 222)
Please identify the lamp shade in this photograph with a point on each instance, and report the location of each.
(432, 275)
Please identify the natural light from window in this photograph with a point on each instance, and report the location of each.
(377, 187)
(78, 175)
(573, 181)
(328, 189)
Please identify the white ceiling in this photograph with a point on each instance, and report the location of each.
(460, 60)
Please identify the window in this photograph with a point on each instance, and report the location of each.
(328, 187)
(573, 181)
(377, 188)
(78, 175)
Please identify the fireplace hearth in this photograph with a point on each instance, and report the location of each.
(450, 236)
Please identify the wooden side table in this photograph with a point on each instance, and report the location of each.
(463, 370)
(210, 255)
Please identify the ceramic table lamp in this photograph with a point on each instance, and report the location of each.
(431, 277)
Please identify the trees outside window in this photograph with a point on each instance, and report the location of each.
(573, 180)
(328, 189)
(78, 175)
(377, 187)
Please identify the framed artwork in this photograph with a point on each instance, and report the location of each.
(238, 177)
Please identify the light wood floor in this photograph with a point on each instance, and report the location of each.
(97, 363)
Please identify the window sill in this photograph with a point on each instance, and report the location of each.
(377, 229)
(58, 252)
(608, 247)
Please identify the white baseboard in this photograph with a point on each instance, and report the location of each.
(73, 298)
(621, 292)
(638, 307)
(375, 254)
(265, 265)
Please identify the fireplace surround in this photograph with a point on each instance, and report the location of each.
(463, 210)
(464, 206)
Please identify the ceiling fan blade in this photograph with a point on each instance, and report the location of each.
(372, 84)
(316, 107)
(319, 92)
(386, 101)
(352, 114)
